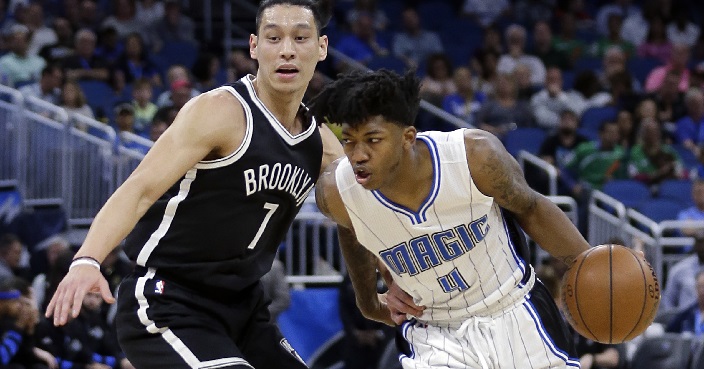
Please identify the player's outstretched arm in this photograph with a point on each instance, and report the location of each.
(212, 123)
(497, 174)
(361, 264)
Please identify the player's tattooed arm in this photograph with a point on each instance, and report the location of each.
(361, 266)
(497, 174)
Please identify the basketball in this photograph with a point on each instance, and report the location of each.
(610, 294)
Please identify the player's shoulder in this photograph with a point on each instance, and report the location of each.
(479, 142)
(327, 180)
(327, 194)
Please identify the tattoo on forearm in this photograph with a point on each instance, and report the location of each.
(361, 266)
(508, 182)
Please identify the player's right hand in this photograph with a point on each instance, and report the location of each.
(401, 304)
(68, 298)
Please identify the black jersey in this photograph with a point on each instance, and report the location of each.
(219, 227)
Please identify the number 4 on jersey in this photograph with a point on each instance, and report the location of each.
(272, 208)
(453, 281)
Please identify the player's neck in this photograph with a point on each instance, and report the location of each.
(284, 106)
(413, 178)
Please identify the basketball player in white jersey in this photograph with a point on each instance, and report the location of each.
(441, 211)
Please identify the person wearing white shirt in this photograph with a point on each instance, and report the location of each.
(485, 11)
(551, 101)
(516, 40)
(624, 8)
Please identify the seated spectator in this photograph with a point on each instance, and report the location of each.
(205, 70)
(124, 19)
(63, 47)
(144, 108)
(465, 103)
(180, 94)
(622, 8)
(656, 44)
(414, 44)
(551, 101)
(677, 63)
(681, 30)
(613, 38)
(368, 7)
(525, 87)
(239, 64)
(586, 83)
(669, 99)
(558, 148)
(437, 83)
(175, 73)
(10, 253)
(627, 129)
(533, 11)
(149, 12)
(486, 12)
(614, 62)
(695, 213)
(162, 120)
(85, 64)
(73, 100)
(18, 65)
(653, 161)
(109, 47)
(504, 112)
(623, 97)
(636, 26)
(124, 118)
(362, 44)
(135, 63)
(18, 320)
(85, 15)
(48, 251)
(690, 320)
(596, 162)
(49, 86)
(544, 49)
(688, 127)
(487, 75)
(566, 41)
(41, 34)
(515, 36)
(173, 27)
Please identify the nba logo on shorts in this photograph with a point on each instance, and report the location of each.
(159, 287)
(287, 346)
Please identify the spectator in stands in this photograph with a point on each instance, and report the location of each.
(180, 93)
(566, 41)
(437, 83)
(487, 75)
(175, 73)
(74, 101)
(63, 47)
(365, 339)
(695, 213)
(613, 38)
(689, 126)
(87, 15)
(669, 99)
(239, 64)
(690, 319)
(651, 160)
(627, 129)
(530, 12)
(18, 65)
(656, 44)
(135, 63)
(109, 46)
(162, 120)
(677, 63)
(543, 48)
(124, 118)
(41, 34)
(149, 12)
(205, 71)
(276, 288)
(614, 62)
(124, 19)
(681, 31)
(157, 128)
(465, 103)
(85, 64)
(173, 27)
(49, 251)
(586, 83)
(596, 162)
(551, 101)
(362, 44)
(623, 97)
(621, 8)
(486, 12)
(10, 254)
(636, 26)
(49, 86)
(524, 86)
(504, 112)
(558, 148)
(144, 108)
(414, 44)
(87, 341)
(379, 19)
(516, 41)
(18, 319)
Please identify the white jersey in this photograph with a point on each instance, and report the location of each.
(458, 255)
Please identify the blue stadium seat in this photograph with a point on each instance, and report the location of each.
(567, 80)
(178, 52)
(641, 67)
(528, 139)
(688, 158)
(387, 62)
(628, 191)
(592, 118)
(587, 63)
(669, 351)
(99, 95)
(678, 190)
(434, 13)
(660, 209)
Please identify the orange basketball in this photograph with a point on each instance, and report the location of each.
(610, 294)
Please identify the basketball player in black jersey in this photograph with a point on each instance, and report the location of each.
(208, 207)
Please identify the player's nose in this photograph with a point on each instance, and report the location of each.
(288, 50)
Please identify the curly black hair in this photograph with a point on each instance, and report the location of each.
(356, 97)
(320, 9)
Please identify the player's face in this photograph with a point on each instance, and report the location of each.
(287, 47)
(375, 149)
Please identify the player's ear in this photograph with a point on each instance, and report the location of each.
(323, 47)
(409, 136)
(253, 39)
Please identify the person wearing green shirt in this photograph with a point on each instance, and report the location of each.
(651, 160)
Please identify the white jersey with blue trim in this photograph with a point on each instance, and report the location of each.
(456, 254)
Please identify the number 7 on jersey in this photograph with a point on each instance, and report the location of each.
(272, 208)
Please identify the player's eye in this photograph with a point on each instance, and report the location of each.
(375, 140)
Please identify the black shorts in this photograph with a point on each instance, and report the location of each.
(161, 324)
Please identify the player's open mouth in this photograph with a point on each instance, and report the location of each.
(287, 71)
(362, 176)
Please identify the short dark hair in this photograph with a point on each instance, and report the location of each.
(356, 97)
(319, 9)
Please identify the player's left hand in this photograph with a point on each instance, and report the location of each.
(401, 304)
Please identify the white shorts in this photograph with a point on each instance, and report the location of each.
(530, 335)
